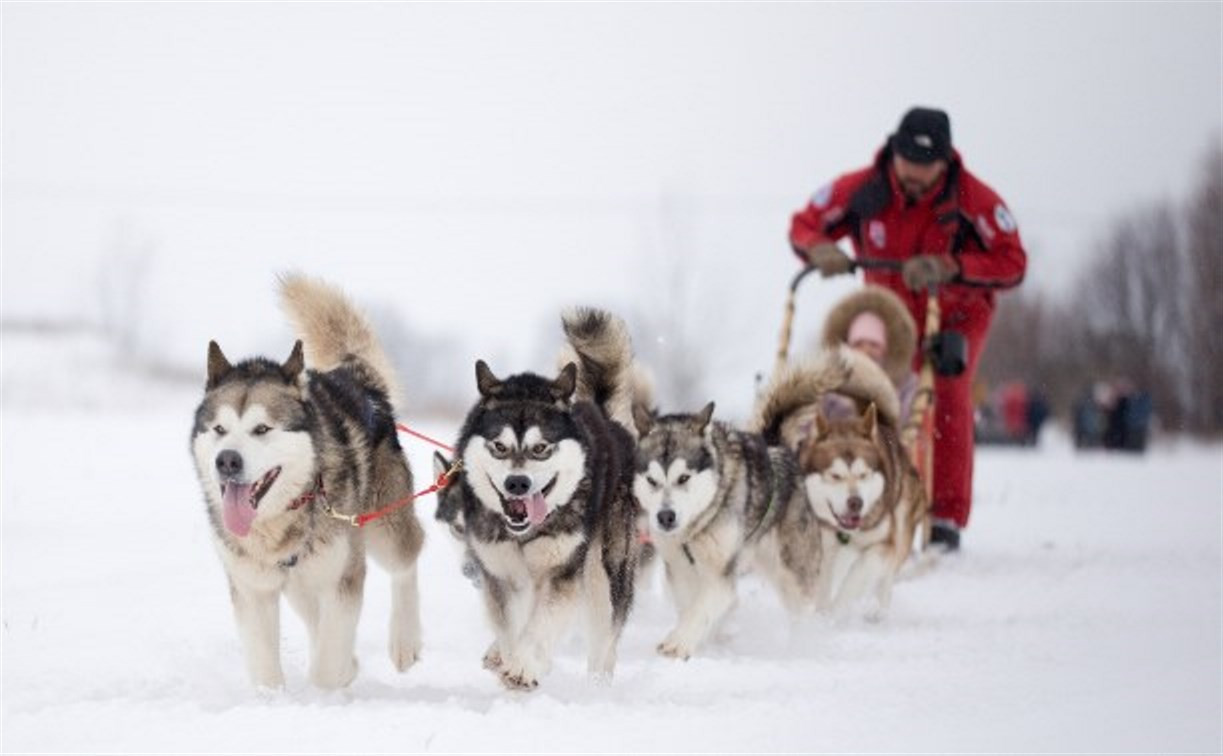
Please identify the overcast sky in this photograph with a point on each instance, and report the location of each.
(479, 166)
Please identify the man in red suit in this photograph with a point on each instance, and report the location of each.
(918, 205)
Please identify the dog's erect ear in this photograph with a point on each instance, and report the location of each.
(821, 424)
(218, 366)
(870, 420)
(642, 419)
(702, 418)
(440, 464)
(566, 382)
(486, 382)
(295, 364)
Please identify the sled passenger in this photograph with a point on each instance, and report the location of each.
(875, 322)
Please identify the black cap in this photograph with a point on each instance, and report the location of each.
(924, 135)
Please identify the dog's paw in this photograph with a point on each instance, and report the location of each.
(270, 692)
(517, 678)
(674, 648)
(333, 676)
(268, 680)
(493, 660)
(520, 672)
(404, 653)
(875, 615)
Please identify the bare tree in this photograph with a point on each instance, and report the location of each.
(1147, 309)
(1132, 305)
(1034, 339)
(1204, 297)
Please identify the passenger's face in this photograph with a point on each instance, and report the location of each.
(869, 347)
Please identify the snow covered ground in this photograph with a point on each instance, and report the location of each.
(1083, 615)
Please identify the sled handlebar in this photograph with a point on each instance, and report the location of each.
(863, 263)
(875, 263)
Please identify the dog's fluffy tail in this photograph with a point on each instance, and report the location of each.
(599, 344)
(333, 329)
(839, 370)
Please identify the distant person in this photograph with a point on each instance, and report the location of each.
(1038, 412)
(1129, 419)
(1118, 409)
(1013, 403)
(1138, 420)
(1090, 415)
(918, 204)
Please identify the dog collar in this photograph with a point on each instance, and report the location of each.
(306, 498)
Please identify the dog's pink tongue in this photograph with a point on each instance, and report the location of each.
(236, 509)
(537, 508)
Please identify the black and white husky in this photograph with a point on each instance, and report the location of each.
(544, 501)
(273, 443)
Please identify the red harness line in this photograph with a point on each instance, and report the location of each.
(405, 429)
(360, 520)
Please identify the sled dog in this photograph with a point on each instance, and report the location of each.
(274, 444)
(717, 499)
(858, 479)
(544, 501)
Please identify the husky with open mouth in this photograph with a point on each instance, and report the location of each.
(858, 479)
(545, 501)
(274, 443)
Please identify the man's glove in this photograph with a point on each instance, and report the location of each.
(830, 260)
(924, 271)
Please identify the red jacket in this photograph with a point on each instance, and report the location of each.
(970, 223)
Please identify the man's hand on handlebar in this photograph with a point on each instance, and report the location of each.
(829, 259)
(924, 271)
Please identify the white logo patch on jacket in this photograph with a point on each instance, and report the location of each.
(822, 195)
(1003, 219)
(878, 234)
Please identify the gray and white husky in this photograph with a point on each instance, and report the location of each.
(273, 444)
(718, 499)
(544, 501)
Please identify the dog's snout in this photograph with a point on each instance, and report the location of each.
(517, 485)
(229, 463)
(854, 503)
(666, 519)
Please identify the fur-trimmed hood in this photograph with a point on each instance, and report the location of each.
(901, 330)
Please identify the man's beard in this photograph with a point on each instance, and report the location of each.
(915, 190)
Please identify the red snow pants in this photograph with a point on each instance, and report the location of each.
(953, 418)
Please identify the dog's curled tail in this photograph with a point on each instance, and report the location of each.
(599, 344)
(334, 330)
(643, 392)
(838, 370)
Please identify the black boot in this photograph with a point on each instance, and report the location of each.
(945, 536)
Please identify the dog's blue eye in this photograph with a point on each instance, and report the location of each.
(219, 430)
(681, 480)
(260, 429)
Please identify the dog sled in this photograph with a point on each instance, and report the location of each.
(943, 353)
